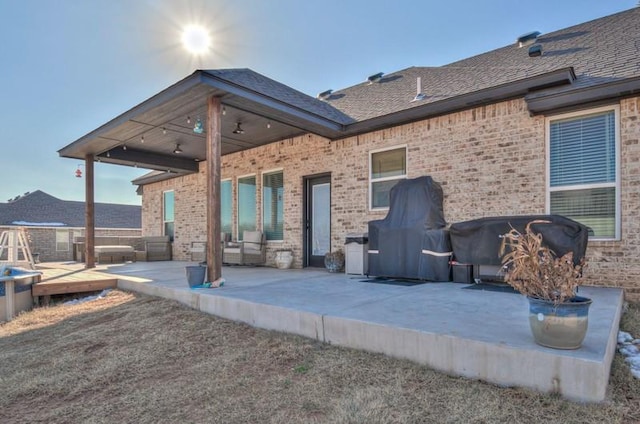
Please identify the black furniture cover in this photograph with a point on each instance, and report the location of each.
(478, 241)
(414, 224)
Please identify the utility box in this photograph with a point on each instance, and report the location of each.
(356, 251)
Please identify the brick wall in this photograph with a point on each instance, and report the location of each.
(490, 161)
(42, 240)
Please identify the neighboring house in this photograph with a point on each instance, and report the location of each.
(52, 224)
(548, 125)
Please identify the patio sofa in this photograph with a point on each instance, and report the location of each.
(110, 249)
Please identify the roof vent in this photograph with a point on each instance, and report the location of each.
(375, 78)
(419, 94)
(527, 39)
(535, 50)
(324, 95)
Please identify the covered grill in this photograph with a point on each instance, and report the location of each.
(411, 242)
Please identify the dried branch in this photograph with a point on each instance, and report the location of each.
(535, 270)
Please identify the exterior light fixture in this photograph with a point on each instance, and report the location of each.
(142, 139)
(238, 129)
(268, 124)
(177, 150)
(224, 110)
(164, 130)
(124, 147)
(78, 172)
(198, 128)
(188, 119)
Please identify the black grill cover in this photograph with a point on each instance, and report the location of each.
(398, 239)
(478, 241)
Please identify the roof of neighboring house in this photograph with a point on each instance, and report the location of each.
(601, 51)
(41, 209)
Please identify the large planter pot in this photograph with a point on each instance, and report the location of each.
(561, 326)
(284, 259)
(334, 261)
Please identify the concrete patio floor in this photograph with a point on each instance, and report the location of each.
(476, 334)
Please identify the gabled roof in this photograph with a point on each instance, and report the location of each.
(41, 209)
(582, 65)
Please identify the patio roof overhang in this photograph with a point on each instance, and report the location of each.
(168, 118)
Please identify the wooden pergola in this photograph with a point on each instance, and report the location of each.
(151, 134)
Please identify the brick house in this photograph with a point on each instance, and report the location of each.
(52, 224)
(549, 124)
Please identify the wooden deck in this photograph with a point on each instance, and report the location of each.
(73, 278)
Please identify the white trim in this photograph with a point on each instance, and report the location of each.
(383, 179)
(432, 253)
(374, 252)
(581, 113)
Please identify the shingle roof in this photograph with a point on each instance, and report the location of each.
(274, 89)
(41, 208)
(600, 51)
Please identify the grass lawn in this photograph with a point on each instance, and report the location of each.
(139, 359)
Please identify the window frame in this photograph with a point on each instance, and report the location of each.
(237, 201)
(616, 184)
(383, 179)
(230, 180)
(67, 233)
(164, 221)
(262, 175)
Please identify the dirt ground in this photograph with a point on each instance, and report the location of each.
(138, 359)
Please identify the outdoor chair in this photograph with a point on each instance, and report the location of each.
(252, 250)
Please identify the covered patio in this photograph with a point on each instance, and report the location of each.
(476, 334)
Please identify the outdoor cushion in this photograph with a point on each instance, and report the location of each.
(114, 249)
(252, 241)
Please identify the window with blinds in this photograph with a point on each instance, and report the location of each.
(226, 207)
(387, 167)
(583, 177)
(273, 205)
(246, 205)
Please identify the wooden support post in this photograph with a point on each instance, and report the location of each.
(214, 151)
(89, 214)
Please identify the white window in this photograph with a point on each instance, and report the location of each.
(246, 204)
(168, 211)
(273, 205)
(386, 168)
(62, 240)
(583, 170)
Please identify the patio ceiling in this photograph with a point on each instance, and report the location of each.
(168, 119)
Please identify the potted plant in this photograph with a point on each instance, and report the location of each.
(557, 316)
(334, 261)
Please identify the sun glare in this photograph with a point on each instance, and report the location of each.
(196, 39)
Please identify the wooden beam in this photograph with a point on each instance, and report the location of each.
(214, 151)
(150, 160)
(89, 215)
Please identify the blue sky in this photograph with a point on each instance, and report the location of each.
(69, 66)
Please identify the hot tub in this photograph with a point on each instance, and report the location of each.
(15, 291)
